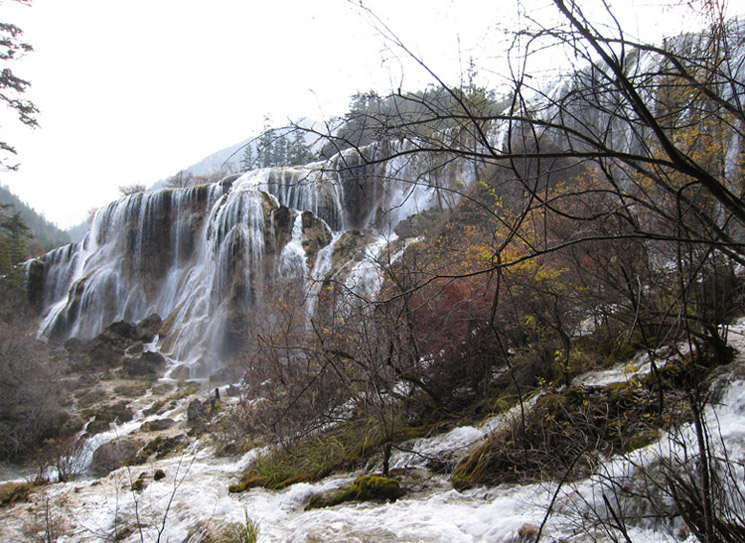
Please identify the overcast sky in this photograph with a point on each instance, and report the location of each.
(133, 91)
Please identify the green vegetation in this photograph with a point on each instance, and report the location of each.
(346, 446)
(246, 532)
(161, 446)
(566, 432)
(185, 388)
(431, 113)
(43, 235)
(104, 415)
(276, 147)
(364, 488)
(12, 87)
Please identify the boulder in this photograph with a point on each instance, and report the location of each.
(118, 340)
(121, 330)
(149, 364)
(149, 327)
(114, 454)
(157, 425)
(182, 372)
(196, 413)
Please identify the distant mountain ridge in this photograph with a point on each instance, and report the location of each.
(228, 159)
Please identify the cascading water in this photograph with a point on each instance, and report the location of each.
(202, 257)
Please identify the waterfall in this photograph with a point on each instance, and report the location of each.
(202, 257)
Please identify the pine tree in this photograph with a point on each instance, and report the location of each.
(13, 234)
(248, 161)
(265, 148)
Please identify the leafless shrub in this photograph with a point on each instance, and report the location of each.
(30, 395)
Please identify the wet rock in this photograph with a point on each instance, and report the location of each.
(117, 341)
(122, 329)
(114, 454)
(135, 349)
(35, 284)
(196, 413)
(104, 416)
(157, 425)
(149, 327)
(316, 235)
(282, 218)
(527, 533)
(148, 365)
(181, 372)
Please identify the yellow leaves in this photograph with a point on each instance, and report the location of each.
(531, 322)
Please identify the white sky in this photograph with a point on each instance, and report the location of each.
(133, 91)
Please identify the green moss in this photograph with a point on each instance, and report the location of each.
(157, 407)
(140, 484)
(565, 432)
(105, 415)
(642, 439)
(345, 447)
(185, 389)
(364, 488)
(375, 487)
(161, 446)
(131, 390)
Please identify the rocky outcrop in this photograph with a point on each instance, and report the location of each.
(316, 235)
(117, 345)
(148, 365)
(114, 454)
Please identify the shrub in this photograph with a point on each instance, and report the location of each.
(30, 394)
(565, 431)
(246, 532)
(14, 492)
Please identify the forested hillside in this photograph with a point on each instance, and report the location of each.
(43, 235)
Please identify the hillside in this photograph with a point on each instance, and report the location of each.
(45, 236)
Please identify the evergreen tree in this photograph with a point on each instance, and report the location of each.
(13, 234)
(299, 152)
(279, 156)
(43, 236)
(11, 86)
(265, 148)
(248, 161)
(276, 147)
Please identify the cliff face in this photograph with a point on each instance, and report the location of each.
(202, 257)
